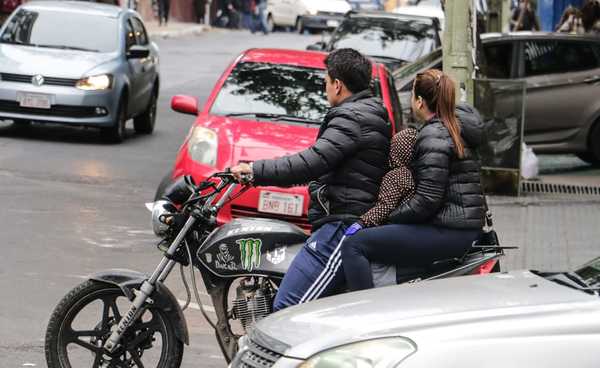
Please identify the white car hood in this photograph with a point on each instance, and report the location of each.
(58, 63)
(457, 304)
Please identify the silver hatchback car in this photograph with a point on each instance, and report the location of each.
(78, 63)
(517, 319)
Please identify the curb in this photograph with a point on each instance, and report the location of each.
(542, 200)
(188, 31)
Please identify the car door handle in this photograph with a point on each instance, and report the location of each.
(591, 80)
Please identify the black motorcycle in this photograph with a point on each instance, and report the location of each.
(137, 321)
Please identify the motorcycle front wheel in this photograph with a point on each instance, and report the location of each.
(84, 319)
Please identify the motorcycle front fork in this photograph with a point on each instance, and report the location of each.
(143, 296)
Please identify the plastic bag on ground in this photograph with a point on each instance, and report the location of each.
(529, 163)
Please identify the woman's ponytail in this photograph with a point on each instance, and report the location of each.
(445, 110)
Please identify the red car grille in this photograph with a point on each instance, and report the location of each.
(239, 211)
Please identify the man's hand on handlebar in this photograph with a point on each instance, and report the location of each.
(242, 173)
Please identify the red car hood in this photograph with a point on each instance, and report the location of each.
(248, 140)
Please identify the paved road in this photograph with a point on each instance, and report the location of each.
(73, 205)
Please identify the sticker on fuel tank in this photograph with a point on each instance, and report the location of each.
(250, 251)
(225, 260)
(276, 256)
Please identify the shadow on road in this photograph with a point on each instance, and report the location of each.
(60, 133)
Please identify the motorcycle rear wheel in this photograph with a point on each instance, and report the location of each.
(75, 335)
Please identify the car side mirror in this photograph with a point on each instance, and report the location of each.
(185, 104)
(317, 46)
(138, 52)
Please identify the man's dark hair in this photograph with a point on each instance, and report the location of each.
(350, 67)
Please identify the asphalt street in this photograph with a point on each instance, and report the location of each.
(73, 205)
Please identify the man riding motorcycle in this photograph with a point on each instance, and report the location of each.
(344, 168)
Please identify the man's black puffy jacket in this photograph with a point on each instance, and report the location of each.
(344, 166)
(448, 189)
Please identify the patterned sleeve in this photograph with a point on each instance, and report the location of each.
(397, 184)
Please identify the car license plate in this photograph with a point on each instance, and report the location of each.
(333, 23)
(35, 100)
(280, 203)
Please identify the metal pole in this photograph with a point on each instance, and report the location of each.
(458, 46)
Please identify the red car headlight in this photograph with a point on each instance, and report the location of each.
(202, 146)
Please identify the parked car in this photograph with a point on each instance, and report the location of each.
(267, 103)
(78, 63)
(391, 39)
(429, 9)
(359, 5)
(311, 15)
(562, 76)
(516, 319)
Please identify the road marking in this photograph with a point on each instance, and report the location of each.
(208, 308)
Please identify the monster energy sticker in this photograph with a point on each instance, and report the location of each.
(250, 250)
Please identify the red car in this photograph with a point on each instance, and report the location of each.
(268, 103)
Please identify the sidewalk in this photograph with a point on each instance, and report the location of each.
(552, 233)
(174, 29)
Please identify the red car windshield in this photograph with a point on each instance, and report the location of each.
(264, 90)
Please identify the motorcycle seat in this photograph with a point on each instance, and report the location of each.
(385, 274)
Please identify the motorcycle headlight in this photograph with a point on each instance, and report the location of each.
(95, 83)
(377, 353)
(160, 208)
(202, 146)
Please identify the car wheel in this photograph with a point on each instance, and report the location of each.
(144, 124)
(117, 132)
(300, 25)
(592, 156)
(587, 157)
(270, 24)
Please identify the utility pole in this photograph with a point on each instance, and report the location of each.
(458, 47)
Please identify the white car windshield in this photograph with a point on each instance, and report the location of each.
(62, 30)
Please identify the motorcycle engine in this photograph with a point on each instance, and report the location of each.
(254, 301)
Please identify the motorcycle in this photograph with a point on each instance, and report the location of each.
(141, 323)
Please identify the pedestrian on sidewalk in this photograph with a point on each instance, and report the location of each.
(163, 11)
(571, 21)
(261, 22)
(200, 7)
(523, 17)
(590, 15)
(248, 7)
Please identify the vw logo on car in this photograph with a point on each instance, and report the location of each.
(37, 80)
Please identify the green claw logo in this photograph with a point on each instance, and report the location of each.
(250, 250)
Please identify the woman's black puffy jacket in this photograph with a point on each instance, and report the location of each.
(448, 189)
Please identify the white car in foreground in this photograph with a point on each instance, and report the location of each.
(308, 15)
(519, 319)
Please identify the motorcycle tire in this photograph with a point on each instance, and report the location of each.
(62, 339)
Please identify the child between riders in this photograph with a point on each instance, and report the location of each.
(397, 184)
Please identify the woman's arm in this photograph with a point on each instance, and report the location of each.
(396, 185)
(431, 170)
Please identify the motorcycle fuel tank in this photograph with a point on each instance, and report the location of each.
(251, 246)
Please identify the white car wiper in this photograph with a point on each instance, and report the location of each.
(283, 117)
